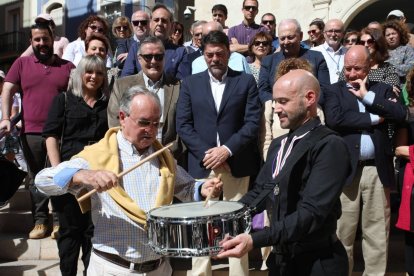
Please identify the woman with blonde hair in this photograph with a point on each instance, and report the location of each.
(77, 118)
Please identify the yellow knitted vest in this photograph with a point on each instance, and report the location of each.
(104, 156)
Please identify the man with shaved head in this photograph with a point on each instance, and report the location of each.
(332, 49)
(301, 180)
(360, 112)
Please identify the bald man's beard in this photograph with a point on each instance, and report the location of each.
(296, 119)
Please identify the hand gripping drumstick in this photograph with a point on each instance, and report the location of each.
(121, 174)
(211, 192)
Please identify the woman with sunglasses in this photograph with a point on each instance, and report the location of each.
(76, 49)
(76, 119)
(315, 33)
(401, 53)
(177, 37)
(259, 47)
(351, 38)
(381, 70)
(122, 30)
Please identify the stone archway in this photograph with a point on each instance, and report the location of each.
(361, 14)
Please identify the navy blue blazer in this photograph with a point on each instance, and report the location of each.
(342, 115)
(270, 64)
(123, 46)
(236, 122)
(173, 57)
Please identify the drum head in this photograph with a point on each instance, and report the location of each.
(196, 209)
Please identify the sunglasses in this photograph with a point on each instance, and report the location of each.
(178, 30)
(145, 123)
(258, 43)
(149, 57)
(333, 31)
(311, 32)
(121, 28)
(353, 40)
(137, 22)
(266, 22)
(248, 8)
(96, 28)
(368, 41)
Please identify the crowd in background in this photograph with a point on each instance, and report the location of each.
(149, 49)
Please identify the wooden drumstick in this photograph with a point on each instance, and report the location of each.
(121, 174)
(211, 192)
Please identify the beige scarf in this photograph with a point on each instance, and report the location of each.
(104, 155)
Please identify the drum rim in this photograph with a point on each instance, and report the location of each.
(231, 213)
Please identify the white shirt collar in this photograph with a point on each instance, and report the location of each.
(213, 79)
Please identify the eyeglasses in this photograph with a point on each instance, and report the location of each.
(96, 28)
(311, 32)
(333, 31)
(268, 22)
(248, 8)
(121, 28)
(353, 40)
(136, 23)
(149, 57)
(258, 43)
(145, 123)
(368, 41)
(198, 34)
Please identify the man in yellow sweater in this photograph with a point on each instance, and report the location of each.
(119, 214)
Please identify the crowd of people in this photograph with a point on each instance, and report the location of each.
(312, 134)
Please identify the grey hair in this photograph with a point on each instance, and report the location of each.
(197, 23)
(87, 64)
(151, 40)
(131, 93)
(292, 21)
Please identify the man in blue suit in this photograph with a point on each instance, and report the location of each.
(160, 26)
(290, 36)
(218, 115)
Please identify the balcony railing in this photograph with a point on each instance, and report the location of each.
(13, 43)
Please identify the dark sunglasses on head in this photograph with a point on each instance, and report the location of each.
(353, 40)
(368, 41)
(248, 8)
(96, 28)
(265, 22)
(149, 57)
(121, 28)
(137, 22)
(264, 43)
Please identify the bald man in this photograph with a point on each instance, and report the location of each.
(301, 180)
(332, 49)
(360, 111)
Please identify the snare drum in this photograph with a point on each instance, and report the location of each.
(192, 230)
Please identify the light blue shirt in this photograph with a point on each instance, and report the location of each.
(237, 62)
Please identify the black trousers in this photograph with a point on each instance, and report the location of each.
(34, 150)
(409, 252)
(326, 261)
(75, 233)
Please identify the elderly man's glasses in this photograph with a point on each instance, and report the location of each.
(136, 23)
(333, 31)
(96, 28)
(145, 123)
(149, 57)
